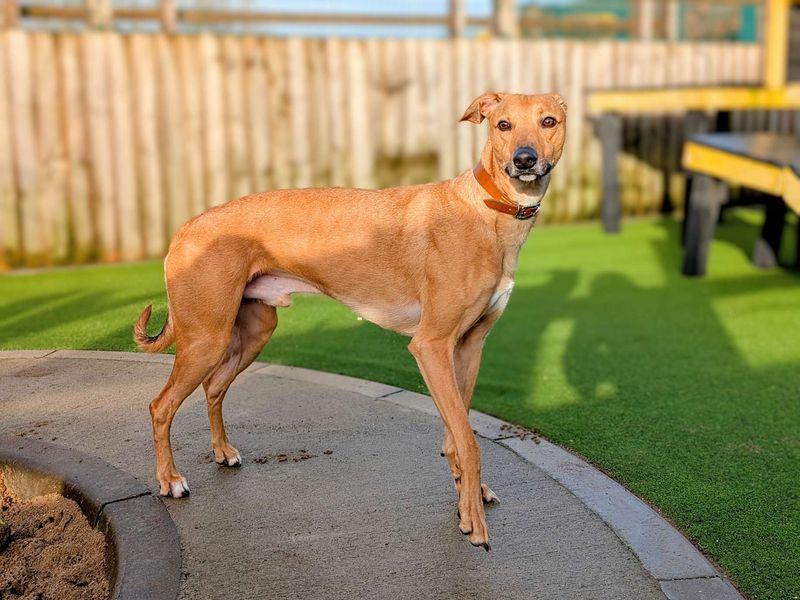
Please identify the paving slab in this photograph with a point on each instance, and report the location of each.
(341, 494)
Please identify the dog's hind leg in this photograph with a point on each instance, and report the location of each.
(193, 362)
(254, 325)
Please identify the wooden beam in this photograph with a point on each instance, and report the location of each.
(776, 43)
(666, 100)
(458, 18)
(733, 168)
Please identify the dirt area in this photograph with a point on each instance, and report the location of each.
(48, 550)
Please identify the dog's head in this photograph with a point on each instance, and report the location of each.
(526, 135)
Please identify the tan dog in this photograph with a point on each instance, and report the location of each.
(435, 262)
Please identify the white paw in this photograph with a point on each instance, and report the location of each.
(234, 461)
(489, 497)
(178, 489)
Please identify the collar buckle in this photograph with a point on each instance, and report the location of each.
(527, 212)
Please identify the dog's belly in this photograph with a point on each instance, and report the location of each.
(402, 318)
(276, 289)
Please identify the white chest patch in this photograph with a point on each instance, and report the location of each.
(501, 295)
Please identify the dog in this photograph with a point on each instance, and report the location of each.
(435, 262)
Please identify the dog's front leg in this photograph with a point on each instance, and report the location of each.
(435, 357)
(467, 359)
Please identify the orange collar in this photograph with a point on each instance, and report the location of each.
(500, 202)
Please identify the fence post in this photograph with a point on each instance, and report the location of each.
(99, 14)
(505, 18)
(458, 18)
(644, 10)
(673, 20)
(168, 15)
(10, 14)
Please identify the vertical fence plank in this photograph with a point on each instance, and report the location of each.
(447, 140)
(462, 98)
(33, 214)
(257, 110)
(98, 108)
(318, 114)
(51, 152)
(124, 154)
(557, 202)
(216, 184)
(360, 143)
(145, 107)
(73, 119)
(275, 53)
(172, 136)
(186, 49)
(297, 105)
(410, 113)
(233, 85)
(10, 251)
(336, 104)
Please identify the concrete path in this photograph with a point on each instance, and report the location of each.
(343, 493)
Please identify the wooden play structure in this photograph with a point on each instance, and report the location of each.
(766, 162)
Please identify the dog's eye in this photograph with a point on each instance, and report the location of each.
(503, 125)
(549, 122)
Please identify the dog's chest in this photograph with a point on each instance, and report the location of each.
(501, 295)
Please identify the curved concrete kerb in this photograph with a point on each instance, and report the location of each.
(144, 549)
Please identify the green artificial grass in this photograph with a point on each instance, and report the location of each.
(685, 390)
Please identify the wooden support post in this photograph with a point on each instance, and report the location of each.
(776, 43)
(506, 22)
(768, 245)
(645, 17)
(168, 15)
(673, 20)
(10, 14)
(99, 14)
(609, 130)
(702, 214)
(458, 18)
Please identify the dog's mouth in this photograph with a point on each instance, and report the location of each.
(528, 175)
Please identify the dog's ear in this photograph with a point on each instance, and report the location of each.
(481, 106)
(560, 102)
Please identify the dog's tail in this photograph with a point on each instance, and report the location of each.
(155, 343)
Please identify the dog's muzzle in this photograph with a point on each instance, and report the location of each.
(526, 165)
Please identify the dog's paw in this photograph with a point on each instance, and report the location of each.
(228, 457)
(176, 488)
(489, 497)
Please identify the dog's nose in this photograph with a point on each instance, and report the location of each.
(525, 158)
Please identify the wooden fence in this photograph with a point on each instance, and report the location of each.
(108, 142)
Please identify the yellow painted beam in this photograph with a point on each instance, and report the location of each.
(776, 42)
(700, 98)
(755, 174)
